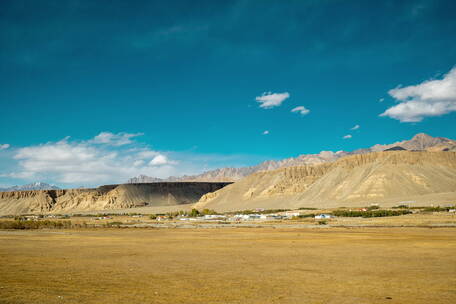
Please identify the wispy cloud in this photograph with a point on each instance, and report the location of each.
(4, 146)
(429, 98)
(266, 132)
(348, 136)
(112, 139)
(270, 100)
(301, 110)
(356, 127)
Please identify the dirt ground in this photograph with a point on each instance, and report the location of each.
(257, 265)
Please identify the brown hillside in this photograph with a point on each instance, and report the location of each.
(387, 178)
(104, 197)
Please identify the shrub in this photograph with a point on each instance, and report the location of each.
(306, 215)
(209, 212)
(322, 222)
(194, 213)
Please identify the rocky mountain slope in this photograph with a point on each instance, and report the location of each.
(387, 178)
(32, 186)
(104, 197)
(420, 142)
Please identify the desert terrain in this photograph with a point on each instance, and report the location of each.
(261, 265)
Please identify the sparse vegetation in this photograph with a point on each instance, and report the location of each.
(113, 224)
(312, 215)
(436, 209)
(24, 224)
(267, 211)
(371, 213)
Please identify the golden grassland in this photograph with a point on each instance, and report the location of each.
(238, 265)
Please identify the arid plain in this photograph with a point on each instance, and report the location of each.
(243, 265)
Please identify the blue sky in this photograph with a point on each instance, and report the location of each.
(185, 80)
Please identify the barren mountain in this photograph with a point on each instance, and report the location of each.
(104, 197)
(234, 174)
(387, 178)
(420, 142)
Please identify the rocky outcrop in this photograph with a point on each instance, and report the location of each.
(104, 197)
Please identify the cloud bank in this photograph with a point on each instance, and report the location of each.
(427, 99)
(106, 158)
(270, 100)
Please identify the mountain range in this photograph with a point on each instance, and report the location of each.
(32, 186)
(420, 142)
(386, 178)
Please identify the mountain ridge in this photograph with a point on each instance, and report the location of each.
(106, 197)
(31, 186)
(385, 177)
(419, 142)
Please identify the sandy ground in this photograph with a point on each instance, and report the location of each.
(333, 265)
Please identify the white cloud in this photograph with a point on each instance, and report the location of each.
(430, 98)
(4, 146)
(112, 139)
(266, 132)
(356, 127)
(72, 163)
(381, 100)
(270, 100)
(85, 162)
(348, 136)
(301, 109)
(159, 160)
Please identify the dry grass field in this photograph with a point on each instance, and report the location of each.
(333, 265)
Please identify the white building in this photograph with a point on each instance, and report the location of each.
(323, 216)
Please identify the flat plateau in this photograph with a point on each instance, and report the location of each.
(239, 265)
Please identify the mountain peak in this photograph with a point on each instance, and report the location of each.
(421, 136)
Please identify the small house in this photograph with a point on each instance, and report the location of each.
(323, 216)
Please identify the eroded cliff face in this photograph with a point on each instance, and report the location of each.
(356, 179)
(104, 197)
